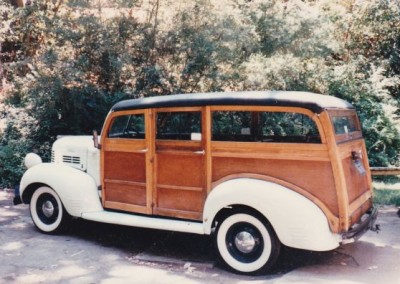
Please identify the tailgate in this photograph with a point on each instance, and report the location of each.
(354, 186)
(358, 179)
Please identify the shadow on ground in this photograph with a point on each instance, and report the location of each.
(178, 248)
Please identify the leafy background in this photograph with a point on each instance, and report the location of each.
(64, 63)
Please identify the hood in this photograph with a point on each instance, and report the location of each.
(72, 151)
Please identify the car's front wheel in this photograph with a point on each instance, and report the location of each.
(246, 243)
(47, 211)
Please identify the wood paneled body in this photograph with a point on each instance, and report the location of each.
(125, 170)
(180, 179)
(353, 189)
(171, 172)
(125, 178)
(358, 182)
(314, 176)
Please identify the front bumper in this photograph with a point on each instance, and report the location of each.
(366, 223)
(17, 197)
(17, 200)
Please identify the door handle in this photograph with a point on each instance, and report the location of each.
(143, 151)
(201, 152)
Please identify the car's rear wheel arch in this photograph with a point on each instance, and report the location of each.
(254, 221)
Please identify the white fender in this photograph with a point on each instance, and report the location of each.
(77, 190)
(297, 221)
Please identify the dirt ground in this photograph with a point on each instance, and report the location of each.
(100, 253)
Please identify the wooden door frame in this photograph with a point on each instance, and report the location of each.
(179, 144)
(144, 147)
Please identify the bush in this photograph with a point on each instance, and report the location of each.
(71, 63)
(15, 143)
(387, 197)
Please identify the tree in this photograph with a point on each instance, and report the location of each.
(71, 60)
(333, 59)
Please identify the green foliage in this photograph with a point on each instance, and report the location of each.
(73, 59)
(350, 83)
(291, 57)
(6, 12)
(11, 168)
(290, 28)
(14, 144)
(387, 197)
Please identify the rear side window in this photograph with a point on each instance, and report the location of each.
(128, 126)
(179, 125)
(345, 124)
(278, 127)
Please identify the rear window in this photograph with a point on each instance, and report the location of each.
(346, 125)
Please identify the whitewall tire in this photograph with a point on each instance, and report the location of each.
(247, 244)
(47, 211)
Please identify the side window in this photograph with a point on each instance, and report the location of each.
(345, 124)
(179, 125)
(289, 127)
(232, 126)
(128, 126)
(284, 127)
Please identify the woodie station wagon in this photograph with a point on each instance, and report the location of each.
(254, 169)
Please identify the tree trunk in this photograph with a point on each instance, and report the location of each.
(18, 3)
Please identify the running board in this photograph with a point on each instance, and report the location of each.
(145, 222)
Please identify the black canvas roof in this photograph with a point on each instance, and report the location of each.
(314, 102)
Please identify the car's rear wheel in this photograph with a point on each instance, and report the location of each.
(47, 211)
(246, 243)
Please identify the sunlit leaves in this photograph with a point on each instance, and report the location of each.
(73, 59)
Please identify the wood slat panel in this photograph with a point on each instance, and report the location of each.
(284, 151)
(176, 187)
(181, 200)
(125, 166)
(125, 207)
(125, 145)
(356, 183)
(338, 174)
(314, 176)
(126, 192)
(178, 214)
(174, 169)
(356, 204)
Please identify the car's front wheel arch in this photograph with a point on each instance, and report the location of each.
(47, 211)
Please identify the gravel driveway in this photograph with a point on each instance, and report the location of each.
(101, 253)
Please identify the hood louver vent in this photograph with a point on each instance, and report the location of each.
(71, 160)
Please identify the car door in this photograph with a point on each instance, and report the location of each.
(180, 158)
(125, 155)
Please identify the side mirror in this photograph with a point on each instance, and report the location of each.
(96, 140)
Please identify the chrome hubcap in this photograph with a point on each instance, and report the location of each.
(245, 242)
(48, 209)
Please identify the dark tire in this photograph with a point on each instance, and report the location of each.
(47, 212)
(247, 244)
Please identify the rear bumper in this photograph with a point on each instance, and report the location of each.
(366, 223)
